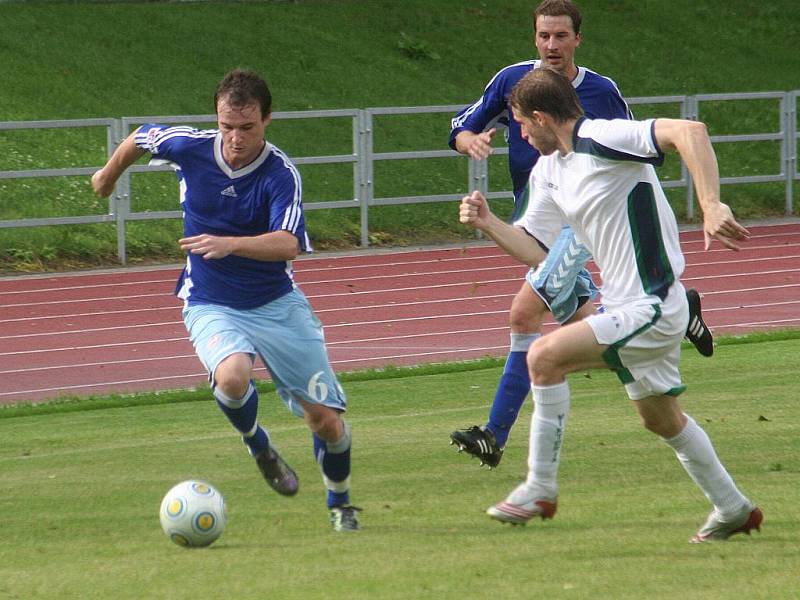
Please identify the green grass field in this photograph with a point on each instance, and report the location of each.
(81, 490)
(86, 59)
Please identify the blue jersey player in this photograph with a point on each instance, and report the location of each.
(243, 225)
(560, 284)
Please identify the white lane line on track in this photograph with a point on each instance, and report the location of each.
(349, 344)
(98, 346)
(776, 323)
(360, 323)
(327, 326)
(185, 339)
(351, 281)
(476, 282)
(198, 375)
(499, 255)
(338, 345)
(318, 311)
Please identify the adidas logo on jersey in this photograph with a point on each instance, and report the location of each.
(229, 191)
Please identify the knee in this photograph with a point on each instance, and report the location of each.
(664, 425)
(232, 386)
(657, 426)
(232, 378)
(542, 367)
(323, 421)
(527, 314)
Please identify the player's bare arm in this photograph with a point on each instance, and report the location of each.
(475, 145)
(127, 153)
(474, 211)
(690, 139)
(272, 246)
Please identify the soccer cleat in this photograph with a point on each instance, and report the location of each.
(521, 506)
(715, 529)
(697, 332)
(345, 518)
(278, 474)
(479, 443)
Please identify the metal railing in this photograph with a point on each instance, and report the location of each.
(364, 157)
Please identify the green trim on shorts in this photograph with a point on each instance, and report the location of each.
(676, 391)
(611, 354)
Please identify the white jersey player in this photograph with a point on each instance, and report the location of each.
(598, 177)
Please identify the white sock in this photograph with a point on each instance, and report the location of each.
(697, 455)
(547, 432)
(520, 342)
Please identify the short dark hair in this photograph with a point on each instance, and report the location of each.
(559, 8)
(547, 91)
(241, 87)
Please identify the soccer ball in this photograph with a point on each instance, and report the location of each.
(193, 514)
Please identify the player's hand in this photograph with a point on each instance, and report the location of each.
(102, 185)
(473, 210)
(207, 246)
(720, 224)
(480, 146)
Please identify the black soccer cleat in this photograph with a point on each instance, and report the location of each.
(345, 518)
(480, 443)
(697, 332)
(276, 472)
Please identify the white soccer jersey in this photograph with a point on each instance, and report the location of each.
(606, 189)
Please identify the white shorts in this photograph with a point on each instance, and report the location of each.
(644, 343)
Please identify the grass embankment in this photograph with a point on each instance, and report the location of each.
(114, 59)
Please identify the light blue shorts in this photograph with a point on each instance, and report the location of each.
(285, 333)
(561, 281)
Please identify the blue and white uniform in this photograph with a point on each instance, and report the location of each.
(600, 98)
(238, 304)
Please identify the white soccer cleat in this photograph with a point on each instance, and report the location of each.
(716, 529)
(522, 505)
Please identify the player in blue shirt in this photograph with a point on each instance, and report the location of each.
(243, 225)
(560, 284)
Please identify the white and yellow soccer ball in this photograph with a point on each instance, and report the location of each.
(193, 514)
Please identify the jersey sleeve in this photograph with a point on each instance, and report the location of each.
(617, 108)
(286, 206)
(158, 140)
(618, 139)
(487, 110)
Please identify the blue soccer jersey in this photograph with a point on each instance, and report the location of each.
(599, 97)
(259, 198)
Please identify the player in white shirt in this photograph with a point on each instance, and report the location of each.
(560, 285)
(597, 176)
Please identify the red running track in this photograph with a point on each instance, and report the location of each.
(120, 331)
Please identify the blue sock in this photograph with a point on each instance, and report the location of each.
(334, 461)
(242, 415)
(514, 386)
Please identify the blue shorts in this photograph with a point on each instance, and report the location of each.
(561, 281)
(285, 333)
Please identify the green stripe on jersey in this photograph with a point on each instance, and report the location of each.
(521, 203)
(655, 271)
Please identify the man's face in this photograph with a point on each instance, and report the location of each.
(536, 132)
(556, 42)
(242, 129)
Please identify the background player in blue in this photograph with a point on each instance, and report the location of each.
(243, 225)
(557, 35)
